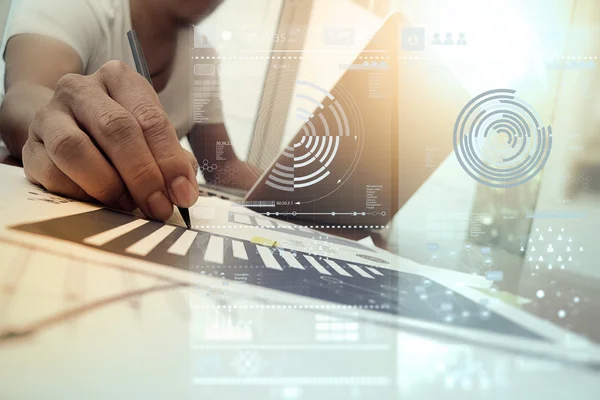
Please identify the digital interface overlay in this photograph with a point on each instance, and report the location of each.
(340, 166)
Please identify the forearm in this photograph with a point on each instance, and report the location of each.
(21, 103)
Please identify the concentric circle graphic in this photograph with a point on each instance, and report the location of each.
(499, 139)
(312, 155)
(330, 125)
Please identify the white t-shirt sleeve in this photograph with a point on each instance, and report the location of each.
(73, 22)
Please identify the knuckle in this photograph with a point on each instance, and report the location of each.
(30, 177)
(42, 114)
(162, 148)
(117, 126)
(112, 68)
(50, 178)
(28, 160)
(109, 191)
(156, 128)
(40, 121)
(70, 80)
(28, 149)
(65, 146)
(152, 118)
(141, 172)
(191, 157)
(170, 158)
(68, 85)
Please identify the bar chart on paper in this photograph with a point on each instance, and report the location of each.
(306, 274)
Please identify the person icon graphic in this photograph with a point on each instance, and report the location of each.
(462, 41)
(449, 41)
(436, 39)
(413, 40)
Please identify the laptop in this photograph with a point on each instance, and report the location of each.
(359, 155)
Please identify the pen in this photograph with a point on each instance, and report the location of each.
(142, 68)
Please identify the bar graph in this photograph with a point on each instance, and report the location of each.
(315, 276)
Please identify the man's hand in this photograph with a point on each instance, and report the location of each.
(106, 137)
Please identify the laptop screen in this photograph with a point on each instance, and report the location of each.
(340, 168)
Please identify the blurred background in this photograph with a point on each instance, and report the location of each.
(546, 50)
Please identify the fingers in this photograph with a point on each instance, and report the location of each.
(137, 96)
(40, 170)
(120, 137)
(107, 136)
(73, 152)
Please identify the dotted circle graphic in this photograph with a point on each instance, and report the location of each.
(330, 123)
(499, 139)
(310, 158)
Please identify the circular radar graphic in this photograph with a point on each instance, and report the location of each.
(499, 139)
(326, 132)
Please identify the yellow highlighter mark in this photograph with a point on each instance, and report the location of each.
(263, 241)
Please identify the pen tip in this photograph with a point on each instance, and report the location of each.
(185, 214)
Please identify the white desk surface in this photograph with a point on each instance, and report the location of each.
(80, 323)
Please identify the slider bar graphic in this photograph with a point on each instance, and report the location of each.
(290, 229)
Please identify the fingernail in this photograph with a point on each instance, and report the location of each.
(196, 168)
(159, 206)
(126, 203)
(183, 192)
